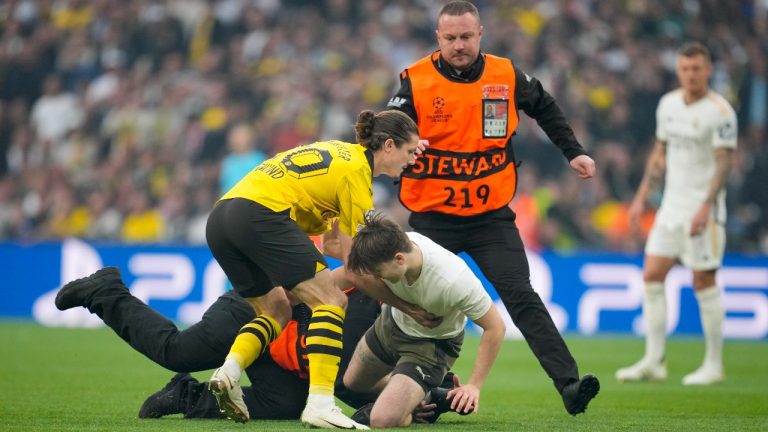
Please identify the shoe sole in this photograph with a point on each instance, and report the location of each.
(62, 302)
(644, 378)
(325, 424)
(226, 405)
(589, 388)
(704, 383)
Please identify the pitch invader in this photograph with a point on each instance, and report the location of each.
(695, 140)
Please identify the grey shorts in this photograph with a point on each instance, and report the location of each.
(424, 360)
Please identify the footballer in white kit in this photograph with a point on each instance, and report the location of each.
(695, 137)
(691, 132)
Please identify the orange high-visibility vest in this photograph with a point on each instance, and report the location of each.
(469, 167)
(289, 350)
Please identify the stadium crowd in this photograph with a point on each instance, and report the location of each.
(125, 121)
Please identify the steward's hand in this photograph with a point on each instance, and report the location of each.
(584, 165)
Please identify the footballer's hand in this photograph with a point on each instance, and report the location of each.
(421, 316)
(332, 241)
(465, 399)
(584, 165)
(636, 210)
(700, 219)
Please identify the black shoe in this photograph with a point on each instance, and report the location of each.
(363, 415)
(439, 397)
(576, 395)
(168, 400)
(76, 293)
(448, 381)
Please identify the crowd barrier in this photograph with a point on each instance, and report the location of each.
(586, 293)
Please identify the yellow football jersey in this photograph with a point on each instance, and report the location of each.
(317, 182)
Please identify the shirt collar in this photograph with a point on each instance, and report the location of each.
(469, 74)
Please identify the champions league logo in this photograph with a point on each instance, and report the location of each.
(438, 103)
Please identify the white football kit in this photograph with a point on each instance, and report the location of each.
(691, 133)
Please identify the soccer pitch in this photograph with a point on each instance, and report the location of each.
(89, 380)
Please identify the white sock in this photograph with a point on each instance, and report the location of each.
(712, 314)
(655, 315)
(321, 401)
(232, 368)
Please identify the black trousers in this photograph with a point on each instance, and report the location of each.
(493, 241)
(275, 393)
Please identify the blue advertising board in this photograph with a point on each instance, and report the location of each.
(586, 293)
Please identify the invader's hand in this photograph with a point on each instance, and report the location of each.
(423, 317)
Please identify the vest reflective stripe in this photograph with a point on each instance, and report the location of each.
(461, 173)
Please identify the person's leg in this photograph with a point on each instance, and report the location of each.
(256, 248)
(236, 231)
(499, 253)
(251, 342)
(712, 314)
(200, 347)
(362, 311)
(664, 245)
(704, 254)
(366, 370)
(324, 350)
(274, 394)
(397, 401)
(655, 270)
(417, 364)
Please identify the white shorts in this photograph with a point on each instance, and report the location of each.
(673, 240)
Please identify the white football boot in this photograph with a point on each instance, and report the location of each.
(328, 418)
(644, 370)
(705, 375)
(229, 396)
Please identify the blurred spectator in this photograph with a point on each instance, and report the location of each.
(243, 156)
(55, 113)
(105, 220)
(143, 223)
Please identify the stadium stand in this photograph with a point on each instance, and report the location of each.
(115, 116)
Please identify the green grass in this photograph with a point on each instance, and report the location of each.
(85, 380)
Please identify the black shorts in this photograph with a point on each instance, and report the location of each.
(424, 360)
(259, 249)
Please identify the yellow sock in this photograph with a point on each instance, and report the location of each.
(253, 340)
(324, 348)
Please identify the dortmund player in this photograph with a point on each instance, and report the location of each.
(258, 234)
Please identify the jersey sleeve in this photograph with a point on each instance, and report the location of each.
(661, 132)
(403, 99)
(726, 129)
(539, 105)
(355, 200)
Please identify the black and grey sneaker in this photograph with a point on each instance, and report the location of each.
(168, 400)
(363, 414)
(578, 394)
(77, 292)
(439, 397)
